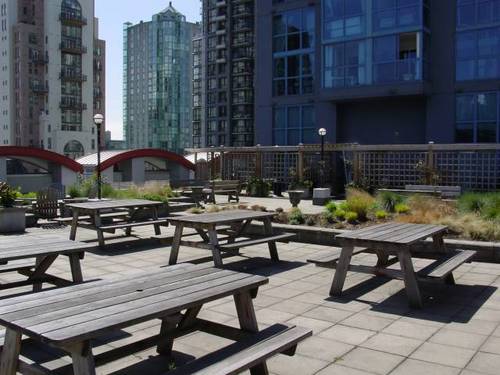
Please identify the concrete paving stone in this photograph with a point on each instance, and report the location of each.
(281, 292)
(228, 308)
(483, 313)
(411, 330)
(414, 367)
(443, 354)
(320, 348)
(270, 316)
(392, 344)
(263, 300)
(365, 321)
(486, 363)
(492, 345)
(336, 369)
(371, 360)
(481, 327)
(215, 316)
(452, 337)
(298, 364)
(316, 325)
(349, 335)
(325, 313)
(292, 307)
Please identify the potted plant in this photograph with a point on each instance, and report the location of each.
(12, 219)
(257, 187)
(304, 185)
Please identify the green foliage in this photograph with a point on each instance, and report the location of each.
(257, 187)
(485, 204)
(340, 214)
(8, 195)
(195, 210)
(310, 221)
(351, 217)
(153, 197)
(402, 208)
(327, 217)
(343, 206)
(296, 217)
(301, 185)
(388, 200)
(360, 202)
(331, 207)
(30, 195)
(381, 214)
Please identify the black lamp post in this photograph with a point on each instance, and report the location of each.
(98, 120)
(322, 134)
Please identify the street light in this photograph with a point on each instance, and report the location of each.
(322, 133)
(98, 120)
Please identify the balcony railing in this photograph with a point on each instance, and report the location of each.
(70, 46)
(72, 104)
(407, 70)
(72, 75)
(72, 19)
(39, 59)
(39, 88)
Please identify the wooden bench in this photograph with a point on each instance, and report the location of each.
(284, 237)
(248, 353)
(112, 215)
(442, 268)
(445, 192)
(184, 186)
(329, 260)
(231, 188)
(133, 224)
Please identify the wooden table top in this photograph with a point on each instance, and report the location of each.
(219, 218)
(112, 204)
(31, 247)
(85, 311)
(394, 233)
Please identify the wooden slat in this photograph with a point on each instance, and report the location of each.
(113, 204)
(220, 218)
(245, 354)
(257, 241)
(333, 256)
(444, 266)
(86, 217)
(132, 225)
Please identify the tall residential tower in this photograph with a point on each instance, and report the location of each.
(46, 70)
(157, 82)
(226, 90)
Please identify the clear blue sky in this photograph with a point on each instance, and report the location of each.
(112, 14)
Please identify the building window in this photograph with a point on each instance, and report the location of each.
(477, 118)
(478, 54)
(390, 14)
(477, 12)
(293, 46)
(293, 125)
(344, 64)
(343, 18)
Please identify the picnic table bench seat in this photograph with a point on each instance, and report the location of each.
(447, 192)
(126, 225)
(443, 267)
(231, 188)
(112, 215)
(326, 260)
(284, 237)
(243, 355)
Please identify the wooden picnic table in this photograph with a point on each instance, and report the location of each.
(32, 256)
(96, 208)
(71, 317)
(235, 223)
(399, 240)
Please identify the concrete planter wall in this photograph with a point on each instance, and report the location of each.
(486, 251)
(12, 220)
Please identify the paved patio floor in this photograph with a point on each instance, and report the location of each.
(370, 330)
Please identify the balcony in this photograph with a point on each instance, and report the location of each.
(220, 3)
(70, 46)
(72, 104)
(39, 60)
(72, 19)
(407, 70)
(72, 75)
(39, 88)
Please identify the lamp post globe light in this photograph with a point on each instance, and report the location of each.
(322, 134)
(98, 120)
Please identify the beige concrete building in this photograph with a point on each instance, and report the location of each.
(51, 75)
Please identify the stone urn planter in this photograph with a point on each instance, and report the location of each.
(295, 197)
(12, 220)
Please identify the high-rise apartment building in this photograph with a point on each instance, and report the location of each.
(225, 115)
(100, 78)
(46, 59)
(377, 71)
(157, 82)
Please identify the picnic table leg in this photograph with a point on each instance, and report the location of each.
(168, 325)
(76, 269)
(341, 271)
(83, 359)
(10, 352)
(155, 217)
(97, 224)
(174, 252)
(214, 246)
(268, 228)
(438, 243)
(74, 225)
(42, 265)
(37, 287)
(131, 214)
(248, 322)
(410, 279)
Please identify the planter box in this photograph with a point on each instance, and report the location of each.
(321, 196)
(12, 220)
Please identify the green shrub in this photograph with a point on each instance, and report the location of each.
(310, 221)
(388, 200)
(331, 207)
(195, 210)
(343, 206)
(381, 214)
(296, 217)
(327, 217)
(351, 217)
(30, 195)
(471, 202)
(257, 187)
(107, 191)
(402, 208)
(153, 197)
(8, 195)
(360, 202)
(491, 210)
(340, 214)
